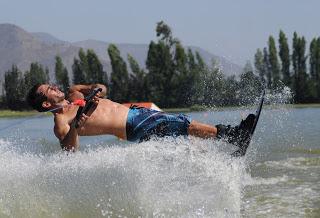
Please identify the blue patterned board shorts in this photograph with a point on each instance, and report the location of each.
(142, 123)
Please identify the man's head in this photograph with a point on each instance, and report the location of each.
(44, 97)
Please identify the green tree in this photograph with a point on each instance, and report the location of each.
(154, 78)
(137, 81)
(317, 73)
(314, 63)
(94, 69)
(182, 80)
(174, 76)
(83, 63)
(78, 74)
(267, 68)
(250, 84)
(196, 67)
(88, 68)
(61, 74)
(260, 66)
(47, 72)
(285, 58)
(161, 69)
(203, 72)
(164, 32)
(299, 69)
(213, 86)
(200, 63)
(15, 89)
(119, 76)
(35, 75)
(274, 64)
(231, 92)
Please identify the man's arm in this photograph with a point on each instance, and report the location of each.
(87, 89)
(71, 140)
(68, 134)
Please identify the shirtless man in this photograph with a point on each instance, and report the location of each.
(108, 117)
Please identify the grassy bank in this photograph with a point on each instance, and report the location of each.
(304, 105)
(14, 114)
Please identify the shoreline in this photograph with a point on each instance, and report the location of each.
(199, 109)
(5, 113)
(17, 114)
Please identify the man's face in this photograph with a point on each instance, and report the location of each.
(52, 92)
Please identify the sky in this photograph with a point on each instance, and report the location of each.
(233, 29)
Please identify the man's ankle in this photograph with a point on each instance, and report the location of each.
(221, 130)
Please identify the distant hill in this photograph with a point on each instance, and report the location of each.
(48, 39)
(20, 47)
(140, 51)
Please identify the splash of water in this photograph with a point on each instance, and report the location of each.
(156, 178)
(164, 178)
(279, 97)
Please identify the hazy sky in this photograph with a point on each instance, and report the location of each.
(233, 29)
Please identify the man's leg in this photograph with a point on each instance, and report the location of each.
(202, 130)
(235, 135)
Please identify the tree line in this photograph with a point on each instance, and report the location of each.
(175, 76)
(295, 69)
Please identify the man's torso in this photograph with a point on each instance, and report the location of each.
(108, 118)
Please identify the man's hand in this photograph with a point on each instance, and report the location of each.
(91, 104)
(87, 89)
(83, 119)
(71, 141)
(103, 92)
(96, 98)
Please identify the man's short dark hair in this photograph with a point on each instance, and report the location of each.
(35, 98)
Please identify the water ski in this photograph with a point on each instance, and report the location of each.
(246, 142)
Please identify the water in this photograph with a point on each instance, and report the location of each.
(279, 177)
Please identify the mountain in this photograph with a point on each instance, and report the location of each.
(140, 51)
(21, 48)
(48, 39)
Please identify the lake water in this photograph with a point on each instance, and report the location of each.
(279, 177)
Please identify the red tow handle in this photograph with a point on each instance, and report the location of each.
(79, 102)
